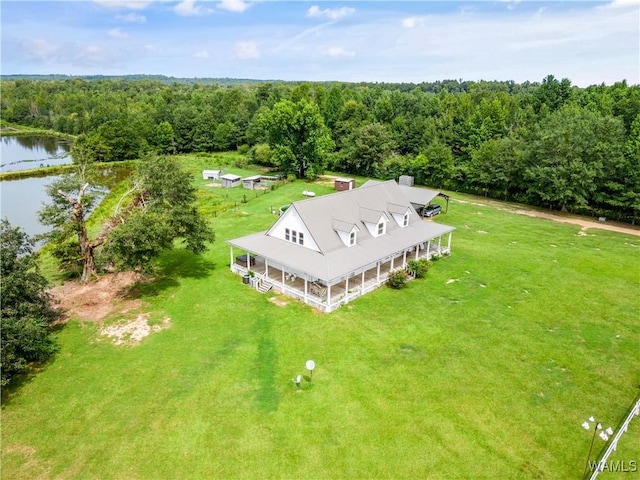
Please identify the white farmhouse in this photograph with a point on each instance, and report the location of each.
(329, 250)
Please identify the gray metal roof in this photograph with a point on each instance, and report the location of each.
(231, 176)
(417, 195)
(335, 259)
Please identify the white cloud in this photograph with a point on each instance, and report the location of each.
(132, 18)
(201, 54)
(329, 13)
(188, 8)
(116, 33)
(411, 22)
(338, 52)
(40, 48)
(237, 6)
(246, 50)
(130, 4)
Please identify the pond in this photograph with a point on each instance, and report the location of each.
(24, 152)
(20, 200)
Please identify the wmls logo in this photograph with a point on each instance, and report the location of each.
(615, 466)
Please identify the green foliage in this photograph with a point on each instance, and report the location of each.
(298, 137)
(26, 311)
(162, 213)
(398, 279)
(418, 268)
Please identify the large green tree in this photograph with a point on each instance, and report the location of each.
(163, 211)
(26, 309)
(298, 136)
(157, 210)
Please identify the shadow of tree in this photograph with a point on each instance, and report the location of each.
(170, 267)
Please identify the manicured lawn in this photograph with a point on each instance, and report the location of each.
(484, 369)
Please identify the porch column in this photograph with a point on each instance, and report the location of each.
(449, 242)
(346, 290)
(305, 288)
(429, 249)
(404, 258)
(231, 259)
(417, 251)
(328, 294)
(266, 269)
(378, 274)
(362, 281)
(440, 245)
(283, 284)
(392, 259)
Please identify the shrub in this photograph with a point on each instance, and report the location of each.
(418, 268)
(397, 279)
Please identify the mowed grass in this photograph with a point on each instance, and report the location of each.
(484, 369)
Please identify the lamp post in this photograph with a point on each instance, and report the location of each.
(604, 435)
(310, 366)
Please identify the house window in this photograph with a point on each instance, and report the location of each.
(301, 238)
(405, 220)
(352, 238)
(294, 236)
(380, 228)
(287, 234)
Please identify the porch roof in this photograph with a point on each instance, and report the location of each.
(337, 263)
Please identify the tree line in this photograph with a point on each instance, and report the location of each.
(545, 143)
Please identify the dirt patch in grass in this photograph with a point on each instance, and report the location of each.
(131, 332)
(279, 300)
(98, 299)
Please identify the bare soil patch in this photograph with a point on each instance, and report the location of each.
(106, 297)
(584, 222)
(98, 299)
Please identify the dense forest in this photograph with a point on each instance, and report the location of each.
(548, 144)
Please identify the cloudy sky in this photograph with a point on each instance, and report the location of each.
(589, 42)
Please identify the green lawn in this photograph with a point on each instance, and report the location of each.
(484, 369)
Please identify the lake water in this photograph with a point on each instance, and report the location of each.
(33, 151)
(20, 200)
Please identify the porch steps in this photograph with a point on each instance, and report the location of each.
(264, 286)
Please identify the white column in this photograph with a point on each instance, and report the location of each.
(429, 249)
(305, 288)
(362, 281)
(231, 252)
(404, 258)
(328, 294)
(392, 259)
(346, 289)
(449, 242)
(282, 267)
(440, 245)
(378, 274)
(266, 268)
(417, 251)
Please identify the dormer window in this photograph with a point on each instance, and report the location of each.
(352, 239)
(405, 220)
(381, 228)
(300, 238)
(293, 236)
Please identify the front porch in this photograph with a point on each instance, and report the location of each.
(327, 295)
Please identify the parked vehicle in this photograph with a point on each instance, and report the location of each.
(431, 210)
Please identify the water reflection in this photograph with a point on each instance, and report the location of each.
(23, 152)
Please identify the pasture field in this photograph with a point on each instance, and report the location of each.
(484, 369)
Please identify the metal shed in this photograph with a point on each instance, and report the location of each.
(230, 180)
(211, 174)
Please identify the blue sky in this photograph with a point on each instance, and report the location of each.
(589, 42)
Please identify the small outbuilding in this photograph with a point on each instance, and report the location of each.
(211, 174)
(345, 184)
(229, 180)
(251, 182)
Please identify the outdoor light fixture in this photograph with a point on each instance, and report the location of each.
(310, 366)
(604, 435)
